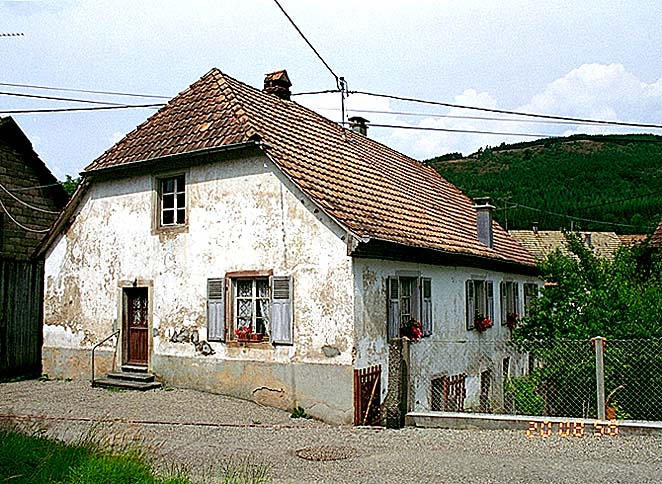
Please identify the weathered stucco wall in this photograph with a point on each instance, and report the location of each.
(242, 215)
(451, 349)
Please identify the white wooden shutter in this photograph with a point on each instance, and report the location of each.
(393, 295)
(426, 305)
(518, 310)
(281, 310)
(470, 304)
(489, 288)
(216, 309)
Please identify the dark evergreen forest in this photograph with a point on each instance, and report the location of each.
(611, 178)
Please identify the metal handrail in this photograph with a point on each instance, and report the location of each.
(96, 346)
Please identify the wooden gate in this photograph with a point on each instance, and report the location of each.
(367, 395)
(21, 295)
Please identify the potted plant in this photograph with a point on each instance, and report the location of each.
(243, 333)
(256, 337)
(481, 323)
(512, 320)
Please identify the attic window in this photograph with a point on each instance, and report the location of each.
(172, 198)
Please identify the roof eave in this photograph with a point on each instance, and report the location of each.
(378, 248)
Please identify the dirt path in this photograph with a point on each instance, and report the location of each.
(202, 431)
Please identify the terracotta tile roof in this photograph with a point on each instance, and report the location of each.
(543, 242)
(373, 190)
(632, 239)
(656, 238)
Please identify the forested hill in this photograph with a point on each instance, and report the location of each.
(612, 178)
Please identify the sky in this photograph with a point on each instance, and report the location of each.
(580, 59)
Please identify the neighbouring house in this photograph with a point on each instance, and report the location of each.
(30, 201)
(630, 240)
(541, 242)
(656, 239)
(240, 243)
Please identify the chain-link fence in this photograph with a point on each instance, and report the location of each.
(546, 378)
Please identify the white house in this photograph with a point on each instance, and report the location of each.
(233, 209)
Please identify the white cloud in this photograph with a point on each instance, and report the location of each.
(596, 91)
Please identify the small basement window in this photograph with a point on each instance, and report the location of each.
(172, 201)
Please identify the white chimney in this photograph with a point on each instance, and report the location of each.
(484, 209)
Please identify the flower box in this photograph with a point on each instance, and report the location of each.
(243, 333)
(255, 337)
(482, 323)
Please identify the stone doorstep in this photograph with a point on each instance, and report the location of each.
(125, 384)
(486, 421)
(125, 375)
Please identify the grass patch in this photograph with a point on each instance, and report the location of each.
(36, 458)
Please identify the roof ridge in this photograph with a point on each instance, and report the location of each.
(242, 118)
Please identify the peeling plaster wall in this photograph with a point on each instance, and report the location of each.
(242, 215)
(451, 349)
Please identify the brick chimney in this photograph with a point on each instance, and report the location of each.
(278, 83)
(359, 125)
(484, 207)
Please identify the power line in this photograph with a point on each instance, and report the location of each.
(26, 204)
(504, 111)
(620, 200)
(308, 42)
(12, 34)
(66, 89)
(25, 189)
(54, 98)
(519, 205)
(449, 130)
(27, 229)
(310, 93)
(64, 110)
(451, 116)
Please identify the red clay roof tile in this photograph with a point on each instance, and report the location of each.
(373, 190)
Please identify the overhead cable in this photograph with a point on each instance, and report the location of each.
(336, 77)
(64, 110)
(54, 98)
(504, 111)
(67, 89)
(26, 204)
(24, 227)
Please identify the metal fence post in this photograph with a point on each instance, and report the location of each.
(599, 346)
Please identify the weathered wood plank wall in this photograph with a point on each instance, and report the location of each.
(21, 295)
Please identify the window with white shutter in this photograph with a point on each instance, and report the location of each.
(510, 308)
(409, 299)
(479, 302)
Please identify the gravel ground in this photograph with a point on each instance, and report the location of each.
(236, 428)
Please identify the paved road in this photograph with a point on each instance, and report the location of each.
(227, 429)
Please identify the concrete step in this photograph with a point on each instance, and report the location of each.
(134, 368)
(125, 384)
(131, 376)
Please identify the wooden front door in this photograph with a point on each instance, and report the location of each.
(135, 324)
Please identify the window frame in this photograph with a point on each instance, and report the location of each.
(254, 298)
(419, 301)
(510, 300)
(486, 287)
(157, 219)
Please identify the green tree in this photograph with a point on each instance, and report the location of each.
(70, 184)
(587, 296)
